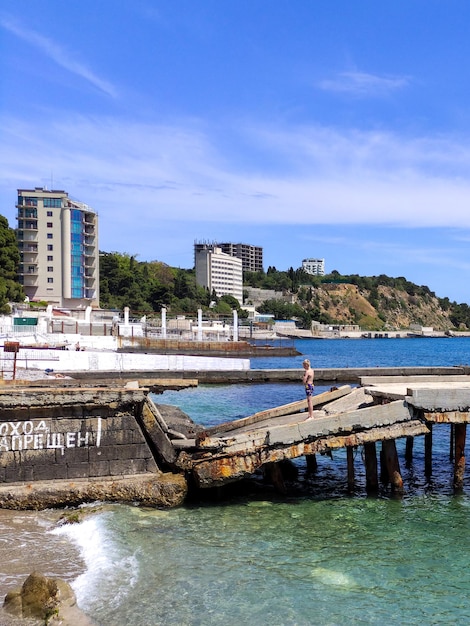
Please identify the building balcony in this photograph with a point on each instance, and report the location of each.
(28, 248)
(29, 258)
(27, 214)
(28, 270)
(29, 281)
(28, 236)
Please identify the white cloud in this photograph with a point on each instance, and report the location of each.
(320, 176)
(363, 84)
(55, 52)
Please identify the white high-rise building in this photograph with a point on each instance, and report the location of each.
(58, 244)
(314, 266)
(218, 271)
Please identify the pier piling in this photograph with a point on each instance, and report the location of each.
(393, 466)
(350, 462)
(459, 464)
(428, 453)
(370, 457)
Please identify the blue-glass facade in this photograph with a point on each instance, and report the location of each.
(77, 257)
(52, 202)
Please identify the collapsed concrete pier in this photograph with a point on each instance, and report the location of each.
(76, 442)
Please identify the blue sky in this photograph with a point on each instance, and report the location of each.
(335, 129)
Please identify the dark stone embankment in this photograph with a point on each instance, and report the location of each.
(64, 446)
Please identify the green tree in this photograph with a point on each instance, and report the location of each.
(10, 288)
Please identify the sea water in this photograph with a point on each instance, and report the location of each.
(320, 555)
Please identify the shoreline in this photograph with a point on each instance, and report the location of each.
(28, 532)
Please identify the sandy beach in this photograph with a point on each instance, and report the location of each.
(27, 544)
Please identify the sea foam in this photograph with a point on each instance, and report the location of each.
(111, 571)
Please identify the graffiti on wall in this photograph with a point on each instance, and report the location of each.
(37, 435)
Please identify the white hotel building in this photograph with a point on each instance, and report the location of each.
(218, 271)
(314, 266)
(58, 244)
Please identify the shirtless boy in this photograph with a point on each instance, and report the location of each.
(309, 387)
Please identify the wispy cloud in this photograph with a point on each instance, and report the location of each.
(321, 175)
(58, 55)
(364, 84)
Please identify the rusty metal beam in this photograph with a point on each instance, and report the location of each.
(218, 469)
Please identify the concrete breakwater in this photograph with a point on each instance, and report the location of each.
(64, 446)
(237, 376)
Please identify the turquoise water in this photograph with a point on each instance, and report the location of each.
(347, 560)
(320, 556)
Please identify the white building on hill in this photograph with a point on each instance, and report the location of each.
(218, 271)
(314, 266)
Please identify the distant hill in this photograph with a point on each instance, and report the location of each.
(374, 303)
(387, 308)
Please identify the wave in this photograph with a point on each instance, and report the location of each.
(111, 570)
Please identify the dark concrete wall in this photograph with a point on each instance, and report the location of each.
(42, 440)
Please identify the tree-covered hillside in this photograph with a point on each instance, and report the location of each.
(372, 302)
(146, 287)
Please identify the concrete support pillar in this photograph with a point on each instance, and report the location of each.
(428, 453)
(350, 461)
(273, 474)
(88, 315)
(199, 324)
(451, 442)
(126, 316)
(459, 463)
(370, 458)
(312, 464)
(393, 467)
(409, 451)
(235, 325)
(163, 323)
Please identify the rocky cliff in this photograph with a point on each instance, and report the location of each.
(384, 308)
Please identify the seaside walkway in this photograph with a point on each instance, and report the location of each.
(382, 409)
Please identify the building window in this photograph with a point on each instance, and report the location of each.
(54, 203)
(50, 257)
(49, 235)
(50, 268)
(50, 280)
(50, 247)
(49, 224)
(49, 214)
